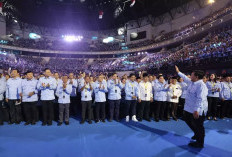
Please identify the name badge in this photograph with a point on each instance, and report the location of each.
(63, 96)
(132, 93)
(115, 90)
(86, 96)
(145, 95)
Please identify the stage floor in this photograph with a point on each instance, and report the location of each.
(143, 139)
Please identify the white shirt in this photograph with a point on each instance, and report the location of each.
(2, 88)
(63, 94)
(47, 93)
(74, 87)
(145, 91)
(196, 96)
(13, 88)
(174, 90)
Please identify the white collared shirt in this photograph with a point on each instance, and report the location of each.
(174, 90)
(145, 91)
(196, 96)
(13, 88)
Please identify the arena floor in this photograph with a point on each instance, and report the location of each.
(113, 140)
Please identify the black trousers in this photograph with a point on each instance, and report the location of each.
(196, 125)
(86, 106)
(173, 109)
(226, 108)
(114, 109)
(130, 107)
(212, 106)
(56, 109)
(73, 105)
(48, 110)
(15, 111)
(180, 108)
(160, 109)
(144, 110)
(152, 110)
(30, 111)
(100, 110)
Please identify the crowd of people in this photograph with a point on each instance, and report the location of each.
(46, 44)
(214, 48)
(143, 97)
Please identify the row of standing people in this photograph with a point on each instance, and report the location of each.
(159, 97)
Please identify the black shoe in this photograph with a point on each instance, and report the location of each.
(90, 122)
(117, 120)
(97, 121)
(163, 119)
(196, 145)
(33, 123)
(82, 122)
(174, 118)
(59, 124)
(44, 123)
(1, 123)
(66, 123)
(157, 120)
(140, 119)
(49, 123)
(194, 137)
(147, 119)
(103, 120)
(17, 123)
(10, 123)
(27, 123)
(110, 120)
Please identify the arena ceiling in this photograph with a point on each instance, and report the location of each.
(84, 14)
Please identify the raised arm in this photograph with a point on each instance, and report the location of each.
(185, 78)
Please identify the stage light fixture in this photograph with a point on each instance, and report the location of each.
(211, 1)
(34, 36)
(71, 38)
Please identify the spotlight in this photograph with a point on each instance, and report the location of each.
(34, 36)
(211, 1)
(134, 35)
(71, 38)
(108, 40)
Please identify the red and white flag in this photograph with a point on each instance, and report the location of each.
(132, 3)
(101, 14)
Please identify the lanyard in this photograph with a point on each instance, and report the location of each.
(145, 85)
(132, 85)
(173, 88)
(86, 89)
(213, 84)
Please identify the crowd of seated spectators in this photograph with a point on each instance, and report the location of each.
(60, 45)
(214, 48)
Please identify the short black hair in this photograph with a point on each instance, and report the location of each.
(174, 77)
(138, 78)
(132, 74)
(145, 75)
(46, 69)
(15, 69)
(199, 73)
(226, 75)
(160, 76)
(28, 72)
